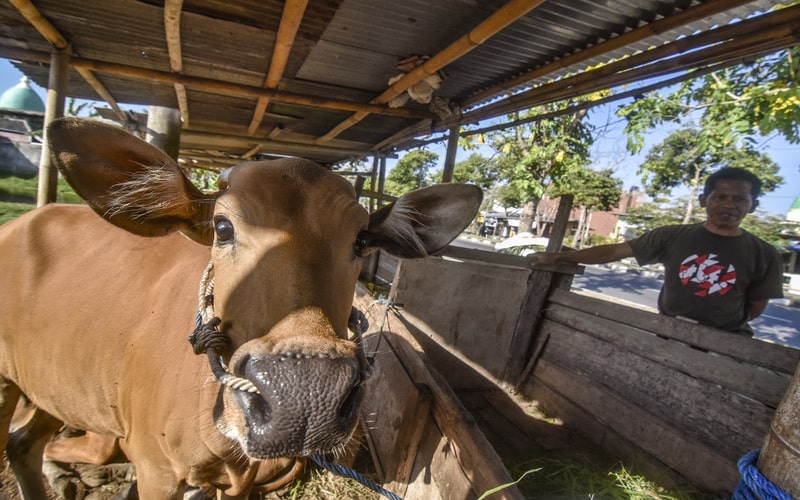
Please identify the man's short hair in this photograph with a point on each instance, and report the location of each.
(734, 174)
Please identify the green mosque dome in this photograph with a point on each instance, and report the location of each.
(22, 97)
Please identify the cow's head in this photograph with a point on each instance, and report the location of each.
(287, 237)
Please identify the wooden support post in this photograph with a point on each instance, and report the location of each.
(373, 183)
(560, 224)
(779, 460)
(359, 185)
(450, 159)
(381, 178)
(56, 93)
(164, 129)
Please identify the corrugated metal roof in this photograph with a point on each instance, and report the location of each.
(344, 54)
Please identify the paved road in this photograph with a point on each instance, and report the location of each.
(780, 323)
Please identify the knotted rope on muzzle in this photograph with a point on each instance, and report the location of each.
(207, 337)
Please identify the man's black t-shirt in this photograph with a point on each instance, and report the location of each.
(708, 277)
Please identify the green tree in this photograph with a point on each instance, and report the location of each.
(684, 159)
(733, 104)
(592, 190)
(509, 196)
(411, 172)
(531, 155)
(476, 169)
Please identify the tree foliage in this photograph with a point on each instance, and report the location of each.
(733, 104)
(476, 169)
(682, 159)
(411, 172)
(593, 189)
(533, 155)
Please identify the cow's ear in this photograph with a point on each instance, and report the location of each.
(130, 183)
(424, 221)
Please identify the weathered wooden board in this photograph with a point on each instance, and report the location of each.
(452, 459)
(473, 309)
(629, 431)
(728, 421)
(772, 356)
(394, 412)
(758, 383)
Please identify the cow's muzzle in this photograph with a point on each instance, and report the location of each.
(305, 404)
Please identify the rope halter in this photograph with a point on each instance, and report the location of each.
(207, 337)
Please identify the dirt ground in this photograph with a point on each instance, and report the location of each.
(89, 482)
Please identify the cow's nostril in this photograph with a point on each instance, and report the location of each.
(256, 408)
(351, 403)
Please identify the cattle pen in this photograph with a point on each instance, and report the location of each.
(482, 361)
(534, 364)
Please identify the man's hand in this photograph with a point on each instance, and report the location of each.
(544, 258)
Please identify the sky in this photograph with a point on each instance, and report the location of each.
(608, 151)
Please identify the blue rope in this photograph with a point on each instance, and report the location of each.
(754, 486)
(347, 472)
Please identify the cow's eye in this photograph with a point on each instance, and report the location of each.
(361, 244)
(224, 229)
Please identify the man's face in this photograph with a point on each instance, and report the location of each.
(728, 204)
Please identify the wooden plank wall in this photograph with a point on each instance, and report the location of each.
(690, 397)
(667, 393)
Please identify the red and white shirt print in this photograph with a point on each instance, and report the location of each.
(707, 274)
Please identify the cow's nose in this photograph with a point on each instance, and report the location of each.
(306, 403)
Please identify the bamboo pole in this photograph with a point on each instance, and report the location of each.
(495, 23)
(400, 139)
(172, 28)
(717, 55)
(450, 158)
(224, 88)
(56, 90)
(57, 40)
(293, 11)
(701, 11)
(207, 140)
(750, 32)
(164, 129)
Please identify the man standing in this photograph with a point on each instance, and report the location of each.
(714, 272)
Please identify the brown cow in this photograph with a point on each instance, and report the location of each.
(94, 316)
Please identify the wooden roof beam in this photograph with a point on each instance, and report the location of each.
(495, 23)
(293, 12)
(748, 35)
(718, 57)
(703, 10)
(217, 86)
(657, 27)
(191, 139)
(57, 40)
(172, 29)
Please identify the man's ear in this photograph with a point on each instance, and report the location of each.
(753, 206)
(703, 199)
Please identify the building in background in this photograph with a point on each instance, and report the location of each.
(21, 122)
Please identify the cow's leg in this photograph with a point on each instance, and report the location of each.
(25, 447)
(9, 395)
(90, 448)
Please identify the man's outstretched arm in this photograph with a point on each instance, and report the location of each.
(594, 255)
